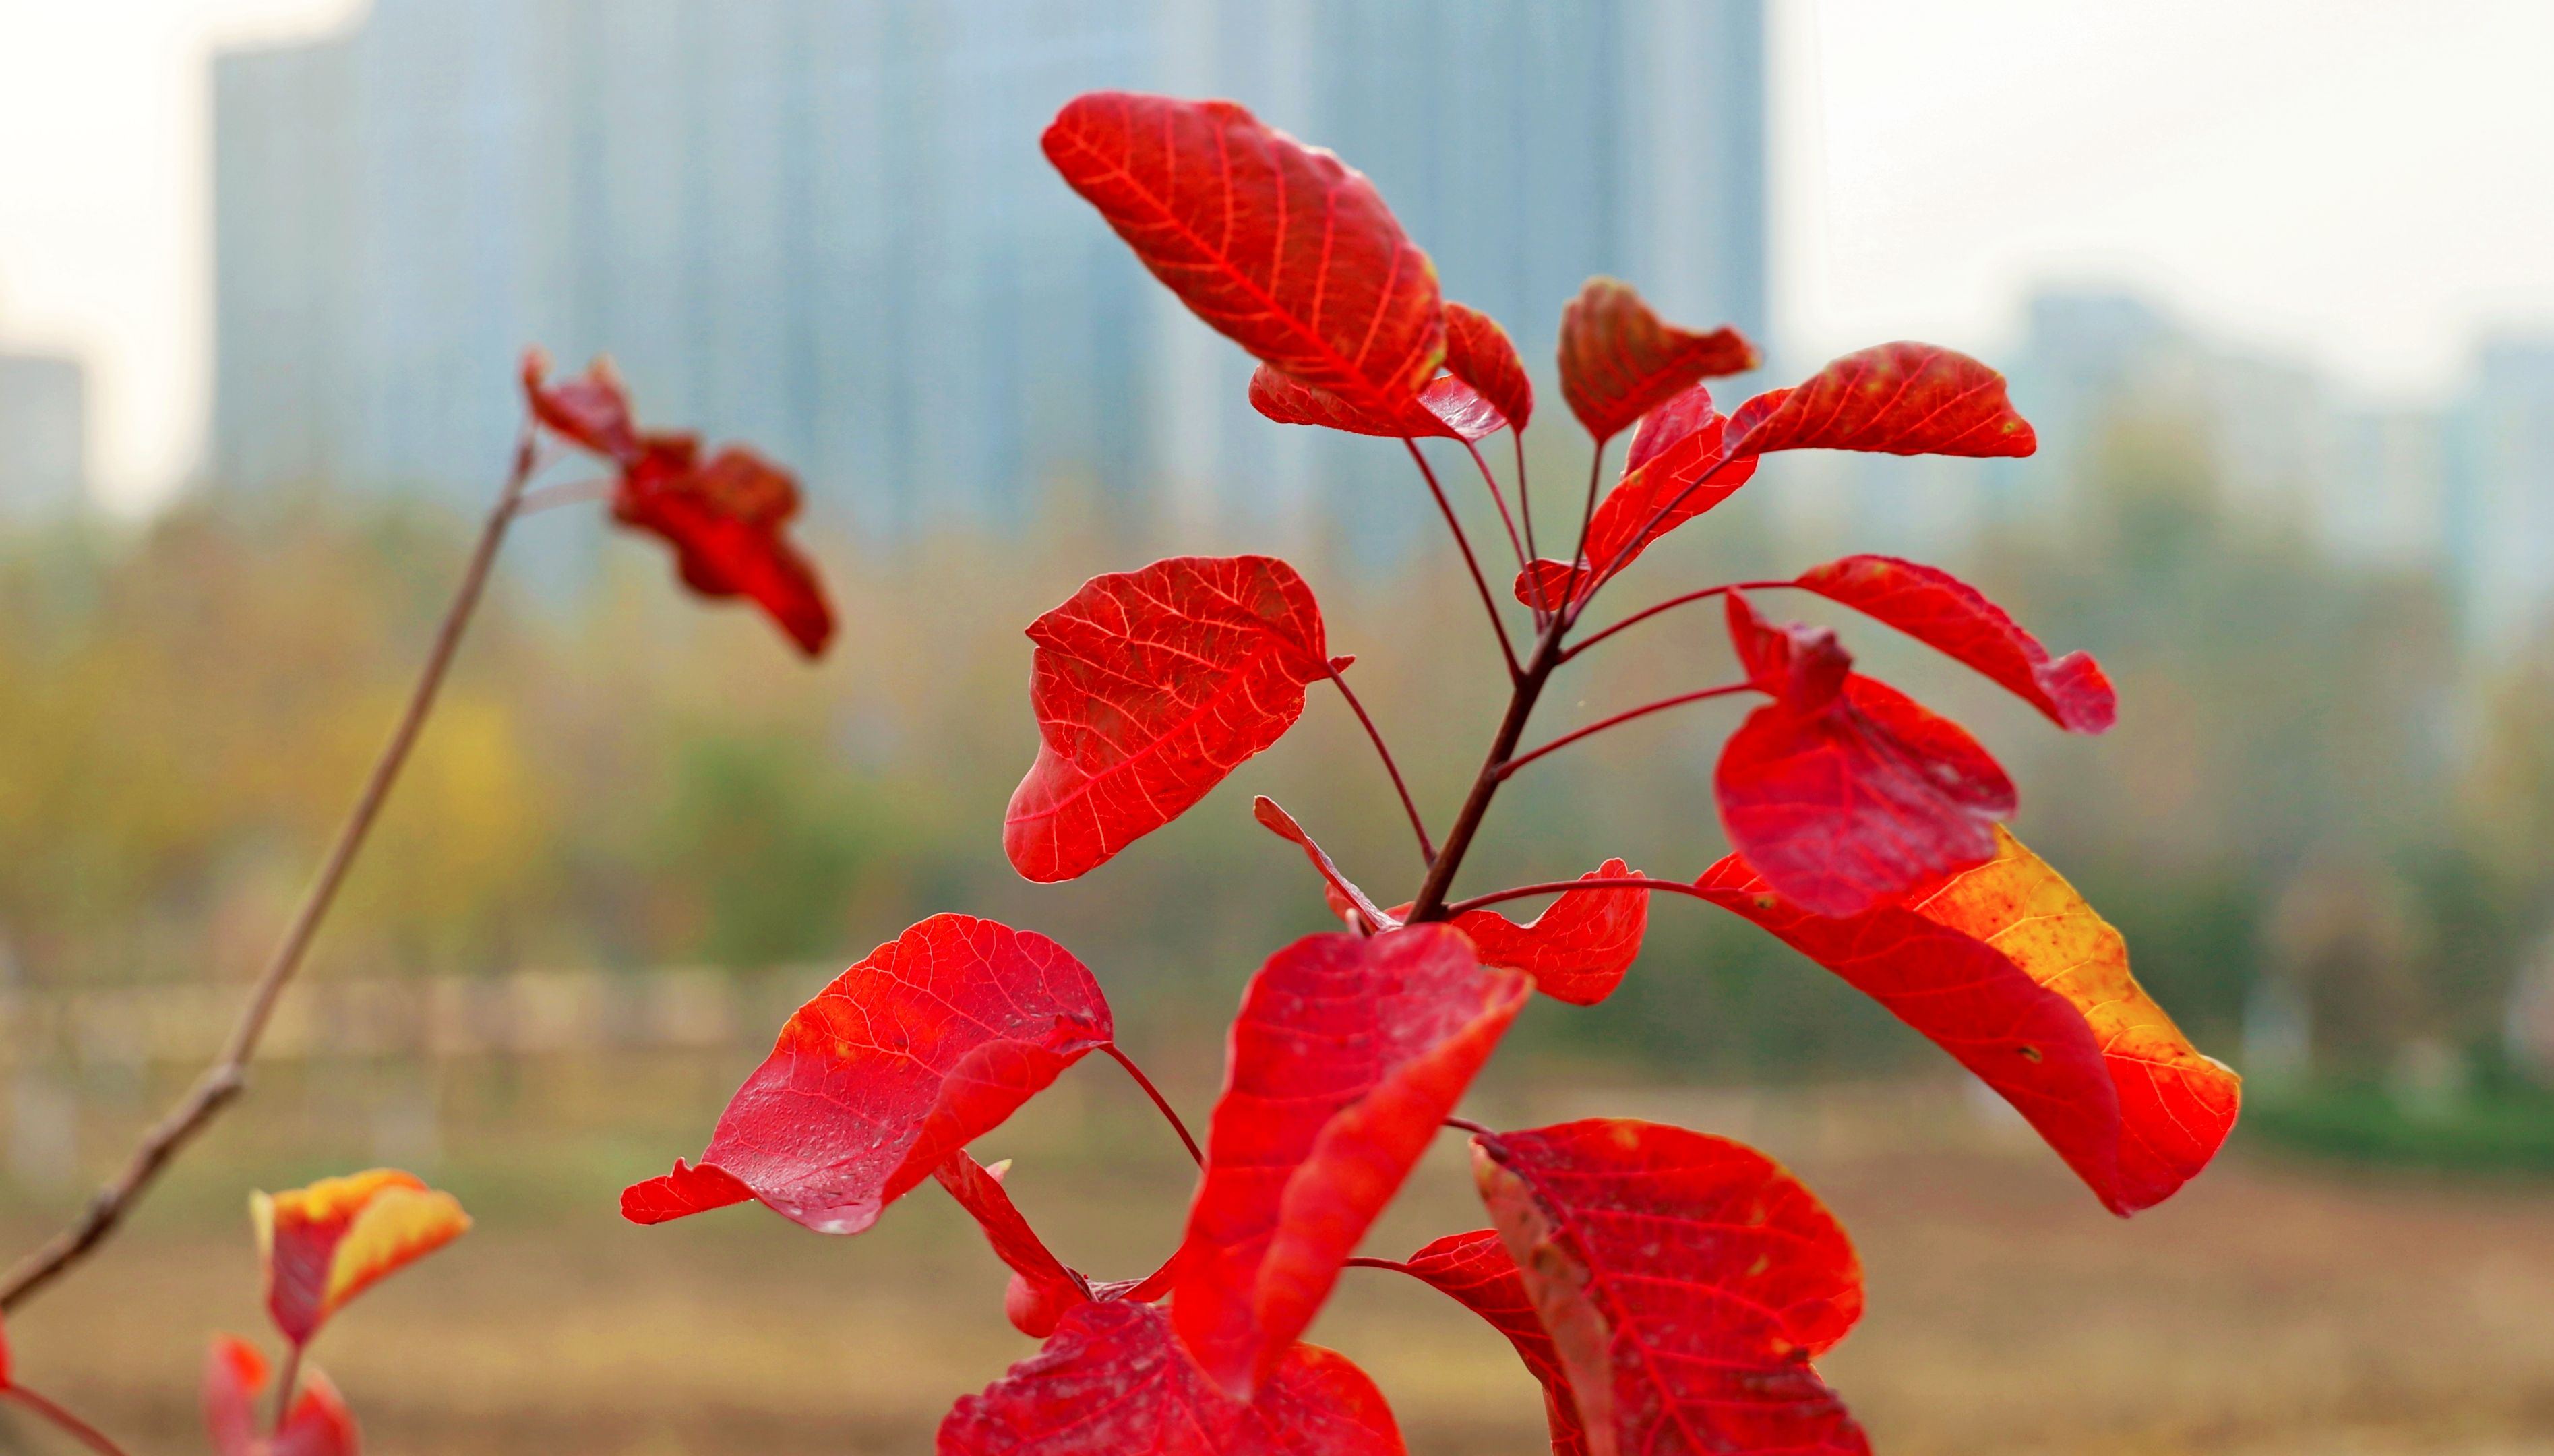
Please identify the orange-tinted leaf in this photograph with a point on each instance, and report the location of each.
(1278, 246)
(327, 1243)
(1843, 792)
(1479, 353)
(1475, 1269)
(318, 1424)
(1447, 409)
(1150, 687)
(1347, 1056)
(1619, 361)
(1942, 611)
(591, 410)
(1898, 398)
(1347, 901)
(920, 1049)
(1042, 1287)
(1679, 467)
(724, 521)
(2008, 969)
(1577, 950)
(1112, 1382)
(1686, 1282)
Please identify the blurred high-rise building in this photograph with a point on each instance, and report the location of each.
(44, 434)
(825, 225)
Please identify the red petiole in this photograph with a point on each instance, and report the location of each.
(1159, 1101)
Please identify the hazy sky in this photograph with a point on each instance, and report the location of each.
(2363, 183)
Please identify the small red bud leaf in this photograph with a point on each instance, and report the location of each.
(1112, 1382)
(1479, 353)
(1150, 687)
(1843, 792)
(1619, 361)
(910, 1056)
(591, 410)
(1280, 247)
(1679, 467)
(1686, 1282)
(1942, 611)
(1345, 1058)
(1042, 1287)
(2013, 974)
(1346, 900)
(1447, 409)
(235, 1374)
(1474, 1270)
(1577, 950)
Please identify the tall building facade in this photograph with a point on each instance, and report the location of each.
(44, 435)
(826, 226)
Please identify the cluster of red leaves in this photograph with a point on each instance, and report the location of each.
(722, 515)
(1670, 1289)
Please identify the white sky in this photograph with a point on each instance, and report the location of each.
(2365, 183)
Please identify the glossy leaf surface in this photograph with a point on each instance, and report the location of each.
(2008, 969)
(1150, 687)
(1945, 612)
(1447, 409)
(1843, 792)
(325, 1243)
(1347, 1054)
(1620, 360)
(1476, 1272)
(1042, 1287)
(923, 1047)
(1577, 950)
(1114, 1381)
(1686, 1282)
(235, 1376)
(1480, 353)
(1280, 247)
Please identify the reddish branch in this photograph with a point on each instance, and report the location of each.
(1554, 887)
(78, 1429)
(225, 1081)
(1480, 583)
(1409, 805)
(1626, 716)
(1160, 1102)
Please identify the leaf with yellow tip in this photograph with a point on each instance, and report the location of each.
(327, 1243)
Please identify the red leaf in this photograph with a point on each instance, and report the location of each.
(1619, 361)
(1942, 611)
(1278, 246)
(1577, 950)
(1678, 469)
(325, 1243)
(1843, 792)
(1150, 687)
(1447, 409)
(1347, 901)
(1686, 1282)
(1114, 1383)
(1474, 1270)
(1479, 353)
(2008, 969)
(1347, 1056)
(1898, 398)
(910, 1056)
(724, 521)
(591, 410)
(319, 1424)
(1042, 1288)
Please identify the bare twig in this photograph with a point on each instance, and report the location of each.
(224, 1082)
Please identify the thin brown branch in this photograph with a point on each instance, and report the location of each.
(78, 1429)
(224, 1082)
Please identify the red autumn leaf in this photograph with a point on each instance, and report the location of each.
(325, 1243)
(318, 1424)
(1447, 409)
(2008, 969)
(1280, 247)
(1479, 353)
(1347, 1056)
(1150, 687)
(1474, 1270)
(912, 1053)
(1112, 1382)
(1578, 949)
(1942, 611)
(1686, 1282)
(1843, 792)
(1619, 361)
(1345, 899)
(1042, 1287)
(1895, 398)
(591, 410)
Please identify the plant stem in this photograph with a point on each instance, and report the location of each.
(1626, 716)
(1427, 848)
(1646, 612)
(1525, 501)
(567, 492)
(284, 1381)
(1500, 499)
(228, 1075)
(1648, 532)
(1430, 902)
(1480, 583)
(1361, 1262)
(1466, 1124)
(1592, 882)
(1159, 1101)
(1587, 524)
(80, 1430)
